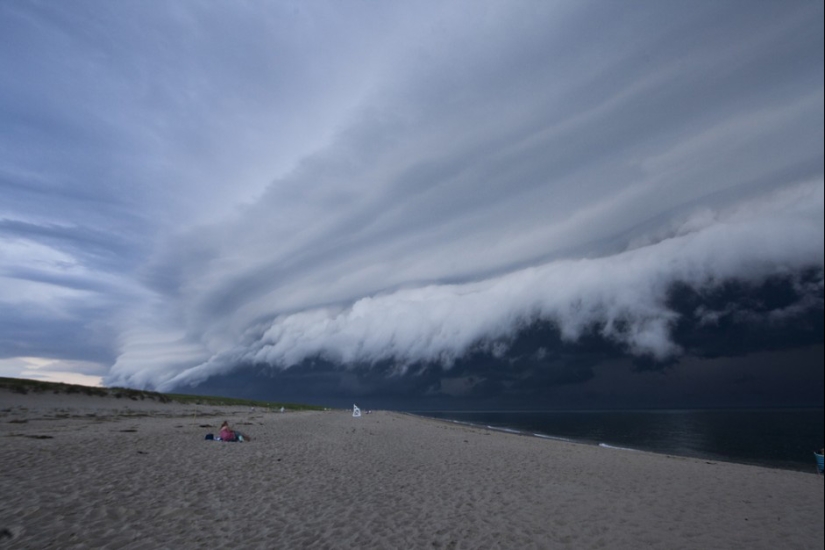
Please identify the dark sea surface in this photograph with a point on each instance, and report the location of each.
(776, 438)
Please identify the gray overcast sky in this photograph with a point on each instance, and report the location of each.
(190, 186)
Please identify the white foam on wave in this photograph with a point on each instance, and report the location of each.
(506, 430)
(606, 446)
(544, 436)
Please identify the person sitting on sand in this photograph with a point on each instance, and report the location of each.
(227, 434)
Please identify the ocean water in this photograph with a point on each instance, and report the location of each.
(776, 438)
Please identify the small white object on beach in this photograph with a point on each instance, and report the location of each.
(282, 409)
(356, 412)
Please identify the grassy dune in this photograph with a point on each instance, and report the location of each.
(25, 386)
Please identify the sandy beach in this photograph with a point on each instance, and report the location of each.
(99, 472)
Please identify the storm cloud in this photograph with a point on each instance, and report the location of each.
(389, 190)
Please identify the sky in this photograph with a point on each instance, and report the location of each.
(417, 204)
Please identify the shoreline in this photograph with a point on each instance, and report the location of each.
(513, 431)
(806, 465)
(88, 472)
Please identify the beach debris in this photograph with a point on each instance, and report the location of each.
(356, 412)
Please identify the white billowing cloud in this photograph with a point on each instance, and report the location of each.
(624, 294)
(147, 354)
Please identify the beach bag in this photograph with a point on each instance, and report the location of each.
(210, 437)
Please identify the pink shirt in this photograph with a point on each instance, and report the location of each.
(227, 434)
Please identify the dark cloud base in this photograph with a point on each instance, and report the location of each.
(777, 313)
(745, 344)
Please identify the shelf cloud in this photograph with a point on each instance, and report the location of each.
(188, 190)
